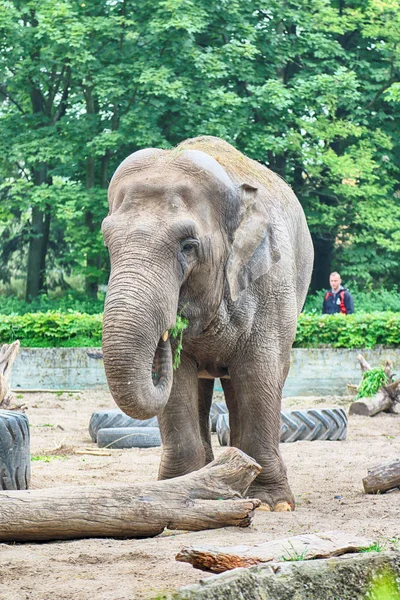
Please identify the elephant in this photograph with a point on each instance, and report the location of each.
(204, 232)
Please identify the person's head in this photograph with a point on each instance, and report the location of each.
(335, 281)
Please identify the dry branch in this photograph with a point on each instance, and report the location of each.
(8, 354)
(300, 547)
(204, 499)
(382, 478)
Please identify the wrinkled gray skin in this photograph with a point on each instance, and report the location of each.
(229, 248)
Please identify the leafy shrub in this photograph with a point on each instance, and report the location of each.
(51, 329)
(56, 329)
(348, 331)
(10, 305)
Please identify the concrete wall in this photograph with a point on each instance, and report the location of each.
(312, 371)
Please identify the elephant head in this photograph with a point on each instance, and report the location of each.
(182, 235)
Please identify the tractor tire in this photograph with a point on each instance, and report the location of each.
(217, 408)
(129, 437)
(109, 419)
(300, 425)
(314, 424)
(15, 459)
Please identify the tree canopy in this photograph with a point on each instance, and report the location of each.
(308, 87)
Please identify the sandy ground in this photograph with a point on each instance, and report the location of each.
(325, 477)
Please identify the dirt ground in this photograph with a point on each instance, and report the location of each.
(325, 477)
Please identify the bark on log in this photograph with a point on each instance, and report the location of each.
(371, 406)
(300, 547)
(8, 354)
(383, 478)
(365, 366)
(204, 499)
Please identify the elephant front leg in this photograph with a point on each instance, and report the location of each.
(182, 446)
(254, 401)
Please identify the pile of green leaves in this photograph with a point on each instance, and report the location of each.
(177, 333)
(56, 329)
(371, 382)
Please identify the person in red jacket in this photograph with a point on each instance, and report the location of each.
(338, 299)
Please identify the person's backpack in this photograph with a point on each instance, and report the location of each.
(342, 304)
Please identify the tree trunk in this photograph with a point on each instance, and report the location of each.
(383, 478)
(323, 248)
(205, 499)
(38, 244)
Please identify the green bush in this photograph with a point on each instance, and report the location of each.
(56, 329)
(348, 331)
(51, 329)
(10, 305)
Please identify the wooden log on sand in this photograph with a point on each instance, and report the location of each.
(300, 547)
(205, 499)
(382, 478)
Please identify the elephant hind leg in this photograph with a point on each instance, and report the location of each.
(206, 388)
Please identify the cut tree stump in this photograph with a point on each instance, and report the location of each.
(383, 478)
(300, 547)
(384, 400)
(205, 499)
(8, 354)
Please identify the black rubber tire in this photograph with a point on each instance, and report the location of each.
(109, 419)
(312, 424)
(129, 437)
(15, 459)
(217, 408)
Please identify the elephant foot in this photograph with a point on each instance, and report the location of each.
(273, 500)
(173, 464)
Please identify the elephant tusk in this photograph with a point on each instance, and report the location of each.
(165, 336)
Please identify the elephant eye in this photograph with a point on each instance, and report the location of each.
(189, 245)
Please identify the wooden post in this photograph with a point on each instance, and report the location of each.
(204, 499)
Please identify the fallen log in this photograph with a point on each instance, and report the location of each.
(8, 354)
(370, 406)
(205, 499)
(300, 547)
(383, 478)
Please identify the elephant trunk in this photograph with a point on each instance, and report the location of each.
(137, 355)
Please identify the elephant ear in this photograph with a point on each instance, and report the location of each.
(254, 248)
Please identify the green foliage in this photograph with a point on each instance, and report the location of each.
(177, 333)
(56, 329)
(348, 331)
(293, 555)
(371, 382)
(375, 547)
(52, 329)
(310, 89)
(10, 305)
(367, 301)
